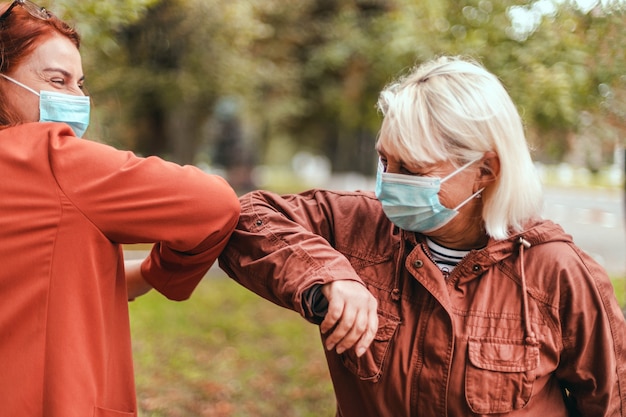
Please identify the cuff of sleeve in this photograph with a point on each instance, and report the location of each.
(315, 304)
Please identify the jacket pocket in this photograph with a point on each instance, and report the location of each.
(369, 366)
(499, 375)
(103, 412)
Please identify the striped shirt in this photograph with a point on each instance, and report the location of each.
(445, 258)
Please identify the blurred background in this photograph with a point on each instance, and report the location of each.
(281, 94)
(236, 84)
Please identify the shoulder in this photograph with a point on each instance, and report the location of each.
(54, 144)
(553, 248)
(559, 271)
(37, 133)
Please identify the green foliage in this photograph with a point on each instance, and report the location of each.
(89, 15)
(97, 22)
(619, 284)
(226, 352)
(311, 70)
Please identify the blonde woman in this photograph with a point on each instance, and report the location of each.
(482, 307)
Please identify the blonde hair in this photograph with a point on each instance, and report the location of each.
(453, 109)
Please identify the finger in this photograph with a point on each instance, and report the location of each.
(363, 331)
(356, 332)
(343, 327)
(369, 334)
(333, 314)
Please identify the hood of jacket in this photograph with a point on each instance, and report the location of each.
(536, 233)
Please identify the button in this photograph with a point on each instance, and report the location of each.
(418, 264)
(259, 222)
(476, 268)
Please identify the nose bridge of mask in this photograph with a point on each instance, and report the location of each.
(426, 182)
(66, 99)
(14, 81)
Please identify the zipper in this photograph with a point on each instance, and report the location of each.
(426, 250)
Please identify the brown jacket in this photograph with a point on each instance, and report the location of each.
(528, 326)
(67, 205)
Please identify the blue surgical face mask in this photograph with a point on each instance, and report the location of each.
(412, 203)
(59, 107)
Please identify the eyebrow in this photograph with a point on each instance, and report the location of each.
(62, 71)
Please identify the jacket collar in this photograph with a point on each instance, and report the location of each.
(535, 233)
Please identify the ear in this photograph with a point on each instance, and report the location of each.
(489, 169)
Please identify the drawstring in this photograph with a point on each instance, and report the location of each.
(530, 338)
(395, 294)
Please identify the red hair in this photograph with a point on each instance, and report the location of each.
(20, 34)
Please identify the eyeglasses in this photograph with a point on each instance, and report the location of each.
(34, 10)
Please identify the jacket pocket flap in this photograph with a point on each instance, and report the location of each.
(503, 356)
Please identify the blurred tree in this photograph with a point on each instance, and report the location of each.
(551, 55)
(564, 58)
(158, 78)
(167, 90)
(98, 21)
(309, 72)
(327, 46)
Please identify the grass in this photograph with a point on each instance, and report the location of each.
(619, 285)
(226, 353)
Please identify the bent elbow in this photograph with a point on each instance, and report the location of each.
(219, 212)
(230, 208)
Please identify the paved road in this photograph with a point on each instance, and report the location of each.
(595, 219)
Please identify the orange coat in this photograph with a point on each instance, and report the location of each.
(66, 206)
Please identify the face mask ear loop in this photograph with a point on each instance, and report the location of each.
(452, 174)
(464, 202)
(20, 84)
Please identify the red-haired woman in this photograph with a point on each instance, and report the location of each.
(67, 206)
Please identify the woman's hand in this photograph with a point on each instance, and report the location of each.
(352, 316)
(135, 283)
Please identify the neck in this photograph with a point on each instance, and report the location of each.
(461, 235)
(461, 244)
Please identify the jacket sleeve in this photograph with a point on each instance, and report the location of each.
(592, 368)
(188, 214)
(283, 247)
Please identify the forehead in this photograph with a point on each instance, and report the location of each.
(56, 52)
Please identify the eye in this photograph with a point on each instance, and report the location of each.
(383, 162)
(58, 81)
(405, 171)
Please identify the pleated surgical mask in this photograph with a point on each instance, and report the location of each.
(412, 203)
